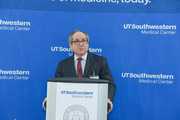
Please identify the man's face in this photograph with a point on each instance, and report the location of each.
(79, 44)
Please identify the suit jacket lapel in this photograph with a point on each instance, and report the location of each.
(89, 63)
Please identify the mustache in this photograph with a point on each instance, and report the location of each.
(81, 47)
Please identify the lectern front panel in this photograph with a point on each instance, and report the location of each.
(76, 101)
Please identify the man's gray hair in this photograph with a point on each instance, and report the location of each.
(70, 36)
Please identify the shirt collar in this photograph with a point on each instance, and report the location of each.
(84, 57)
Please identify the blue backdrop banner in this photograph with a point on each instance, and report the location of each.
(139, 38)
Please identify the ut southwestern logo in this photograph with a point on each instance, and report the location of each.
(149, 27)
(76, 93)
(161, 79)
(98, 51)
(14, 75)
(152, 29)
(16, 25)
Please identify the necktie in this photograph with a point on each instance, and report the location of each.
(79, 68)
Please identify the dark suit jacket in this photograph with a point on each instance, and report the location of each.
(95, 63)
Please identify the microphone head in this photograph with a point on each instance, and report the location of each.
(80, 72)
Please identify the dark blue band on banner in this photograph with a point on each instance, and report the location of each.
(120, 6)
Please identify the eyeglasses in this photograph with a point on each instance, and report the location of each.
(77, 42)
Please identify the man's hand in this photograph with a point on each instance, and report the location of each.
(111, 105)
(44, 102)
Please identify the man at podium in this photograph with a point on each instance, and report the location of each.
(85, 64)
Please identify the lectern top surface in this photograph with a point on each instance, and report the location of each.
(77, 80)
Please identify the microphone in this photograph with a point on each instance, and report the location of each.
(80, 71)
